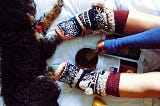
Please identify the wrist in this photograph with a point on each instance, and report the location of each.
(109, 46)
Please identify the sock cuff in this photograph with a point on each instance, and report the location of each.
(120, 17)
(112, 84)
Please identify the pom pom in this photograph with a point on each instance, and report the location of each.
(83, 85)
(88, 91)
(98, 4)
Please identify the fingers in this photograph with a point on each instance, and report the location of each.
(100, 46)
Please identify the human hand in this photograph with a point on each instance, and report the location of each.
(100, 46)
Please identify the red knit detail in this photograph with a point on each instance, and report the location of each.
(120, 17)
(112, 84)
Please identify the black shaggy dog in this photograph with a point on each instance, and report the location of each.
(24, 58)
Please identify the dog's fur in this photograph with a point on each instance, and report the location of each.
(24, 58)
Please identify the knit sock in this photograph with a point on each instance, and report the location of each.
(96, 82)
(120, 17)
(91, 20)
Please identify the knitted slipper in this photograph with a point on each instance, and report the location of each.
(90, 83)
(69, 29)
(68, 73)
(90, 20)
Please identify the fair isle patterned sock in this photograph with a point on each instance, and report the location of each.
(70, 74)
(92, 19)
(69, 29)
(97, 20)
(96, 82)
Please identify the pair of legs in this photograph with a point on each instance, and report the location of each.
(102, 82)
